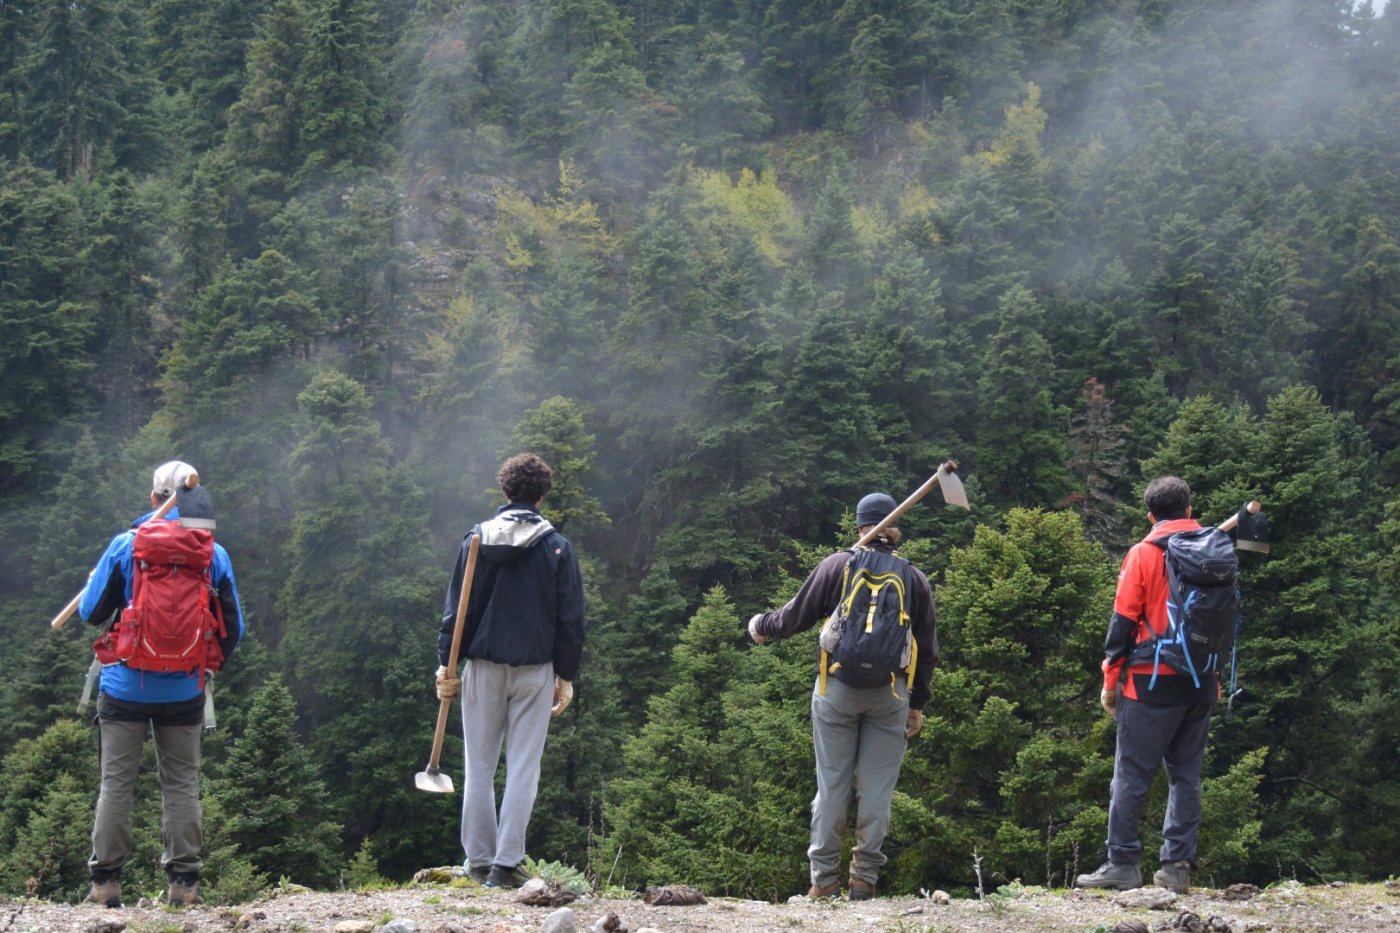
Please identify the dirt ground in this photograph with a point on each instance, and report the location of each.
(1284, 908)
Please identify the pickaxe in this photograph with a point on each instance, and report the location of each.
(945, 479)
(191, 482)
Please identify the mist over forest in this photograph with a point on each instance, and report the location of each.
(727, 265)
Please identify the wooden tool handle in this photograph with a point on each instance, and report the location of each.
(907, 504)
(67, 611)
(1229, 524)
(462, 598)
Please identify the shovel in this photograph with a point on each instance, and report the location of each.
(190, 483)
(432, 780)
(945, 479)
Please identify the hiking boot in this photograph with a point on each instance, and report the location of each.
(1174, 876)
(1115, 875)
(479, 874)
(183, 890)
(860, 890)
(817, 891)
(501, 876)
(106, 890)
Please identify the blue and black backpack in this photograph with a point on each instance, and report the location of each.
(1203, 605)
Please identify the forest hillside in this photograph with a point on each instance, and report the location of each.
(728, 265)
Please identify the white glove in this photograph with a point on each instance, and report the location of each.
(563, 696)
(448, 686)
(753, 630)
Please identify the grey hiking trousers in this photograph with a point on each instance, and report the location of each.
(122, 730)
(1150, 736)
(500, 704)
(858, 736)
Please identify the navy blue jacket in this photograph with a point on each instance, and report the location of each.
(526, 604)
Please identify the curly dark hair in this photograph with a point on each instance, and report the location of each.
(525, 478)
(1167, 497)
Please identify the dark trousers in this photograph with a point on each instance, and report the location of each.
(1150, 736)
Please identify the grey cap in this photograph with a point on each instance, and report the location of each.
(872, 508)
(170, 476)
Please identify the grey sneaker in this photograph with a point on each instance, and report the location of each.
(106, 890)
(1174, 876)
(183, 890)
(1119, 877)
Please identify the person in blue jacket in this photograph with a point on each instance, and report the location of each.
(170, 705)
(523, 641)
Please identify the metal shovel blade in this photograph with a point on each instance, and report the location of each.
(953, 491)
(433, 781)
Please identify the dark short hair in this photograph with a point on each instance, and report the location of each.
(1167, 497)
(525, 478)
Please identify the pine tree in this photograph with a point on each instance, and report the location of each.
(1096, 458)
(359, 596)
(276, 803)
(1021, 441)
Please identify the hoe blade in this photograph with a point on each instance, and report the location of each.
(433, 781)
(953, 491)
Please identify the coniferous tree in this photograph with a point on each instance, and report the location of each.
(359, 600)
(1021, 443)
(275, 803)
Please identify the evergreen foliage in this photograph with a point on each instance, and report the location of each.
(728, 266)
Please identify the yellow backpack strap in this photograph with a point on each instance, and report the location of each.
(913, 659)
(821, 675)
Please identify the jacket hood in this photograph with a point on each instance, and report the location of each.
(512, 533)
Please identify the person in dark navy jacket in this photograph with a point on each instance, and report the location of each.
(523, 643)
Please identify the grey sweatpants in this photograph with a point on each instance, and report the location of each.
(1150, 736)
(506, 704)
(857, 732)
(177, 760)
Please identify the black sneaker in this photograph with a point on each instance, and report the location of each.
(502, 876)
(479, 874)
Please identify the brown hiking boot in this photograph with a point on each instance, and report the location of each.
(828, 890)
(1174, 876)
(860, 890)
(184, 890)
(106, 890)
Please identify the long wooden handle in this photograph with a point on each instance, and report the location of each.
(907, 504)
(462, 598)
(1229, 524)
(191, 481)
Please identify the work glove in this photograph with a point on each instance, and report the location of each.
(563, 696)
(448, 686)
(913, 723)
(1108, 699)
(753, 630)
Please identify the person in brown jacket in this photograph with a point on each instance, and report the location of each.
(862, 714)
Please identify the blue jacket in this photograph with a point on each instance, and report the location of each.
(526, 604)
(109, 591)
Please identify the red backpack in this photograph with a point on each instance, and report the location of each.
(174, 622)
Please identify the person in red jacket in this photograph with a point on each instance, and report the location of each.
(1162, 715)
